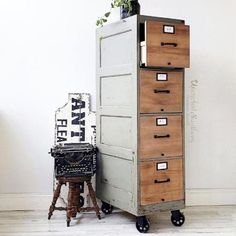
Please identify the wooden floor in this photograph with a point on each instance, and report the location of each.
(214, 221)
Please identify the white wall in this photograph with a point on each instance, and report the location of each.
(47, 49)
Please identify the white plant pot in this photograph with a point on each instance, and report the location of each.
(115, 15)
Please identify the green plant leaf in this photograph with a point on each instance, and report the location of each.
(115, 3)
(118, 3)
(129, 6)
(107, 14)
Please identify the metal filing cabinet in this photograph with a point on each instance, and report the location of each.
(140, 116)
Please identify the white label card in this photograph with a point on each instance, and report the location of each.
(162, 77)
(169, 29)
(161, 121)
(162, 166)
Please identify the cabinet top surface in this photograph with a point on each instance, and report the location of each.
(142, 19)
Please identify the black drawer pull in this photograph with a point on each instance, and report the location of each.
(162, 136)
(156, 181)
(161, 91)
(169, 44)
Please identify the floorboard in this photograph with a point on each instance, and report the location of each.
(214, 221)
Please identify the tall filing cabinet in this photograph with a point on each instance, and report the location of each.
(140, 116)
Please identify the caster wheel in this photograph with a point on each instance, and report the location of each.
(68, 223)
(106, 208)
(177, 218)
(81, 201)
(142, 224)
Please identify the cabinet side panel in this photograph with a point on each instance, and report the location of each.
(115, 91)
(111, 166)
(117, 114)
(116, 131)
(115, 50)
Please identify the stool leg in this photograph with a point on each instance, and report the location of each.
(93, 197)
(56, 195)
(70, 207)
(76, 200)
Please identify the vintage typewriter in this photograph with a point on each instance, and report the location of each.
(74, 160)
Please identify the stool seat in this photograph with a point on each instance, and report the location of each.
(73, 205)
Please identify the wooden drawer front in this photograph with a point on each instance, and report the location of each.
(160, 136)
(161, 91)
(163, 185)
(167, 49)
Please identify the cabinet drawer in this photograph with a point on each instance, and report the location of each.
(161, 181)
(160, 136)
(165, 45)
(161, 91)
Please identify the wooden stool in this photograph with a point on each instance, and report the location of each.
(73, 205)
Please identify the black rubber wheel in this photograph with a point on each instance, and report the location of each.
(106, 208)
(81, 201)
(68, 223)
(177, 218)
(142, 224)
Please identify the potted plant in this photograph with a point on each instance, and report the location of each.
(127, 8)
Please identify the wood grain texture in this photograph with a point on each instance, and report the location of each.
(161, 185)
(153, 97)
(73, 199)
(151, 147)
(168, 55)
(202, 221)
